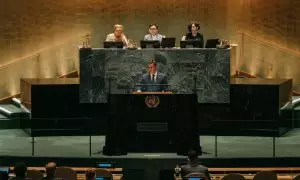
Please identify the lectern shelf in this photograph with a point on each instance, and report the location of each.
(167, 92)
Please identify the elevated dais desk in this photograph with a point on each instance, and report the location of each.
(205, 72)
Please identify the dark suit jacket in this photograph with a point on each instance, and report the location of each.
(199, 37)
(149, 86)
(194, 168)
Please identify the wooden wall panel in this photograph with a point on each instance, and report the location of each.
(271, 48)
(51, 29)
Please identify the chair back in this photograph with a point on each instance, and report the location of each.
(65, 173)
(34, 175)
(3, 175)
(233, 177)
(263, 175)
(296, 177)
(103, 173)
(200, 175)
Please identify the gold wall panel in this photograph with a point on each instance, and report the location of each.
(271, 45)
(50, 30)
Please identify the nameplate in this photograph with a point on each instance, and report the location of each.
(150, 127)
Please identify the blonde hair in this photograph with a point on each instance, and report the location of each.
(118, 26)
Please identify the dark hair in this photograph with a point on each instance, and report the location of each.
(20, 169)
(191, 24)
(153, 25)
(152, 61)
(50, 169)
(192, 155)
(90, 173)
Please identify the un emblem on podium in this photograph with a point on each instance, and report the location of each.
(152, 101)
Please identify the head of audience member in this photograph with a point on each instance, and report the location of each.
(20, 169)
(50, 169)
(193, 27)
(152, 67)
(192, 156)
(153, 29)
(118, 30)
(90, 174)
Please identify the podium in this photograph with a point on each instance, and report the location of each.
(152, 122)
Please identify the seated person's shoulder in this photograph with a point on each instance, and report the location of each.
(110, 36)
(160, 35)
(147, 37)
(184, 166)
(123, 36)
(188, 34)
(199, 166)
(144, 76)
(204, 168)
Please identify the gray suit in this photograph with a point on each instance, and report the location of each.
(148, 37)
(194, 167)
(159, 85)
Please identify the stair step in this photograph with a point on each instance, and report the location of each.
(2, 117)
(12, 111)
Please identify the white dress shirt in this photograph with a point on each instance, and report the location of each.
(154, 37)
(155, 76)
(112, 37)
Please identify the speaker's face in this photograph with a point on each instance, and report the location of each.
(151, 68)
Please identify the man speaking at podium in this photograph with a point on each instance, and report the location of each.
(153, 81)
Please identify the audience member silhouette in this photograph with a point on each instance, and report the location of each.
(50, 171)
(193, 166)
(20, 170)
(90, 174)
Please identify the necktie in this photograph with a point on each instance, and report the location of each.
(153, 78)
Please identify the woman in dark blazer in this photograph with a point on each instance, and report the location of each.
(194, 34)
